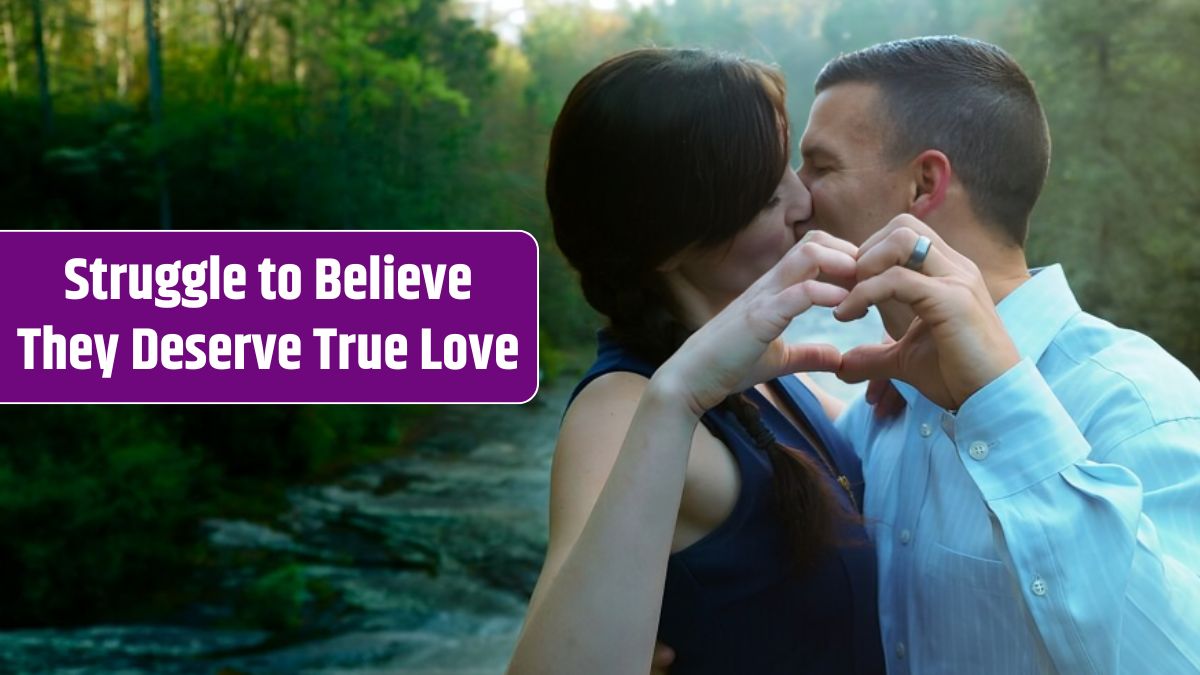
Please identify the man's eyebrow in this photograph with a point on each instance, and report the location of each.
(813, 150)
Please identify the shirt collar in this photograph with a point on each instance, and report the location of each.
(1037, 310)
(1033, 314)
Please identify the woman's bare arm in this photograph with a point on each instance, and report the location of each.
(597, 602)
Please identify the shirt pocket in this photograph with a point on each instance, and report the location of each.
(971, 616)
(953, 570)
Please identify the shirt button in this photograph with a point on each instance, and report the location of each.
(926, 431)
(978, 451)
(900, 650)
(1038, 586)
(905, 536)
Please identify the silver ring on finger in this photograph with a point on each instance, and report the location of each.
(920, 251)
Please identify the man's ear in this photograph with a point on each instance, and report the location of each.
(932, 175)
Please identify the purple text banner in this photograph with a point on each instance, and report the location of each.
(268, 317)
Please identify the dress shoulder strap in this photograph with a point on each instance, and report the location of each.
(611, 357)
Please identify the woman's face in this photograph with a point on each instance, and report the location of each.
(718, 274)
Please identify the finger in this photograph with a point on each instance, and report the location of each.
(895, 250)
(909, 221)
(664, 656)
(828, 240)
(895, 283)
(876, 390)
(809, 358)
(815, 292)
(810, 260)
(903, 220)
(769, 315)
(778, 311)
(870, 362)
(891, 403)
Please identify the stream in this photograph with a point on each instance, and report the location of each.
(429, 555)
(416, 565)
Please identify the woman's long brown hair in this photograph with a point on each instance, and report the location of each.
(655, 151)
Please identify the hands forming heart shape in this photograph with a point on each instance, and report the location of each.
(954, 345)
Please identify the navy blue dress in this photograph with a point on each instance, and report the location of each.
(732, 603)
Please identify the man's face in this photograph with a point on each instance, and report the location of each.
(855, 191)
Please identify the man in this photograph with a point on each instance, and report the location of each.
(1053, 521)
(1036, 507)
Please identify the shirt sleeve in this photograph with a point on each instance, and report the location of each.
(1104, 537)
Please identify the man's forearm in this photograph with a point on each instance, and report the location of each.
(1101, 562)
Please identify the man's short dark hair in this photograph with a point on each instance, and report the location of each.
(968, 99)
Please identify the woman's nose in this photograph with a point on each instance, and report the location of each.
(801, 208)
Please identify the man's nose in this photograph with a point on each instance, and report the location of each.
(803, 175)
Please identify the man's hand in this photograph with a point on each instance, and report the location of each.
(956, 344)
(664, 656)
(883, 397)
(885, 400)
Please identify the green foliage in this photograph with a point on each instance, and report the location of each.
(278, 599)
(94, 502)
(405, 114)
(562, 43)
(100, 506)
(1121, 83)
(275, 599)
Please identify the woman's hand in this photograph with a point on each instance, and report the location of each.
(620, 470)
(741, 346)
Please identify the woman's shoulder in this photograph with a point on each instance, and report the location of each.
(591, 435)
(608, 394)
(615, 372)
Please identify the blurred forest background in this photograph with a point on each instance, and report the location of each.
(435, 114)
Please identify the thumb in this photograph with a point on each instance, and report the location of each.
(809, 358)
(870, 362)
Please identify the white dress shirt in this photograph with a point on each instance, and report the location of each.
(1053, 523)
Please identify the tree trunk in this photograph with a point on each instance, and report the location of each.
(154, 65)
(43, 71)
(100, 45)
(266, 48)
(10, 48)
(124, 57)
(235, 23)
(291, 42)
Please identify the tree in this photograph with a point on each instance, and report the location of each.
(154, 70)
(8, 32)
(1119, 81)
(39, 47)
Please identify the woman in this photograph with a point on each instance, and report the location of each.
(698, 492)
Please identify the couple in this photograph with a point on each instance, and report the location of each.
(1035, 506)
